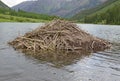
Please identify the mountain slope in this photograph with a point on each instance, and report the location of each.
(63, 8)
(90, 11)
(2, 5)
(108, 13)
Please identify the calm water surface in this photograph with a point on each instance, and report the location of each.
(101, 66)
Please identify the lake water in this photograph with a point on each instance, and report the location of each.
(101, 66)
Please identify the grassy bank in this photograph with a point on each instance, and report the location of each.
(8, 15)
(9, 18)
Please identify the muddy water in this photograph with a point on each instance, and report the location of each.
(101, 66)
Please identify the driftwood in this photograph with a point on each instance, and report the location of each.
(59, 35)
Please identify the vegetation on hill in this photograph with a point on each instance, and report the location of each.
(107, 13)
(111, 16)
(90, 11)
(22, 16)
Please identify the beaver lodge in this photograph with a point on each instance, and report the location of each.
(58, 36)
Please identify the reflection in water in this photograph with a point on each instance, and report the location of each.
(60, 59)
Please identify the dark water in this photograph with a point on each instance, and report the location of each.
(101, 66)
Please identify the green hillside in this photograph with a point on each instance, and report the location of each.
(108, 13)
(8, 15)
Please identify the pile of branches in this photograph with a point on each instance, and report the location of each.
(58, 35)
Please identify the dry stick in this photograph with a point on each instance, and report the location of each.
(36, 40)
(34, 47)
(92, 44)
(64, 42)
(54, 32)
(25, 45)
(44, 39)
(54, 39)
(32, 39)
(77, 48)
